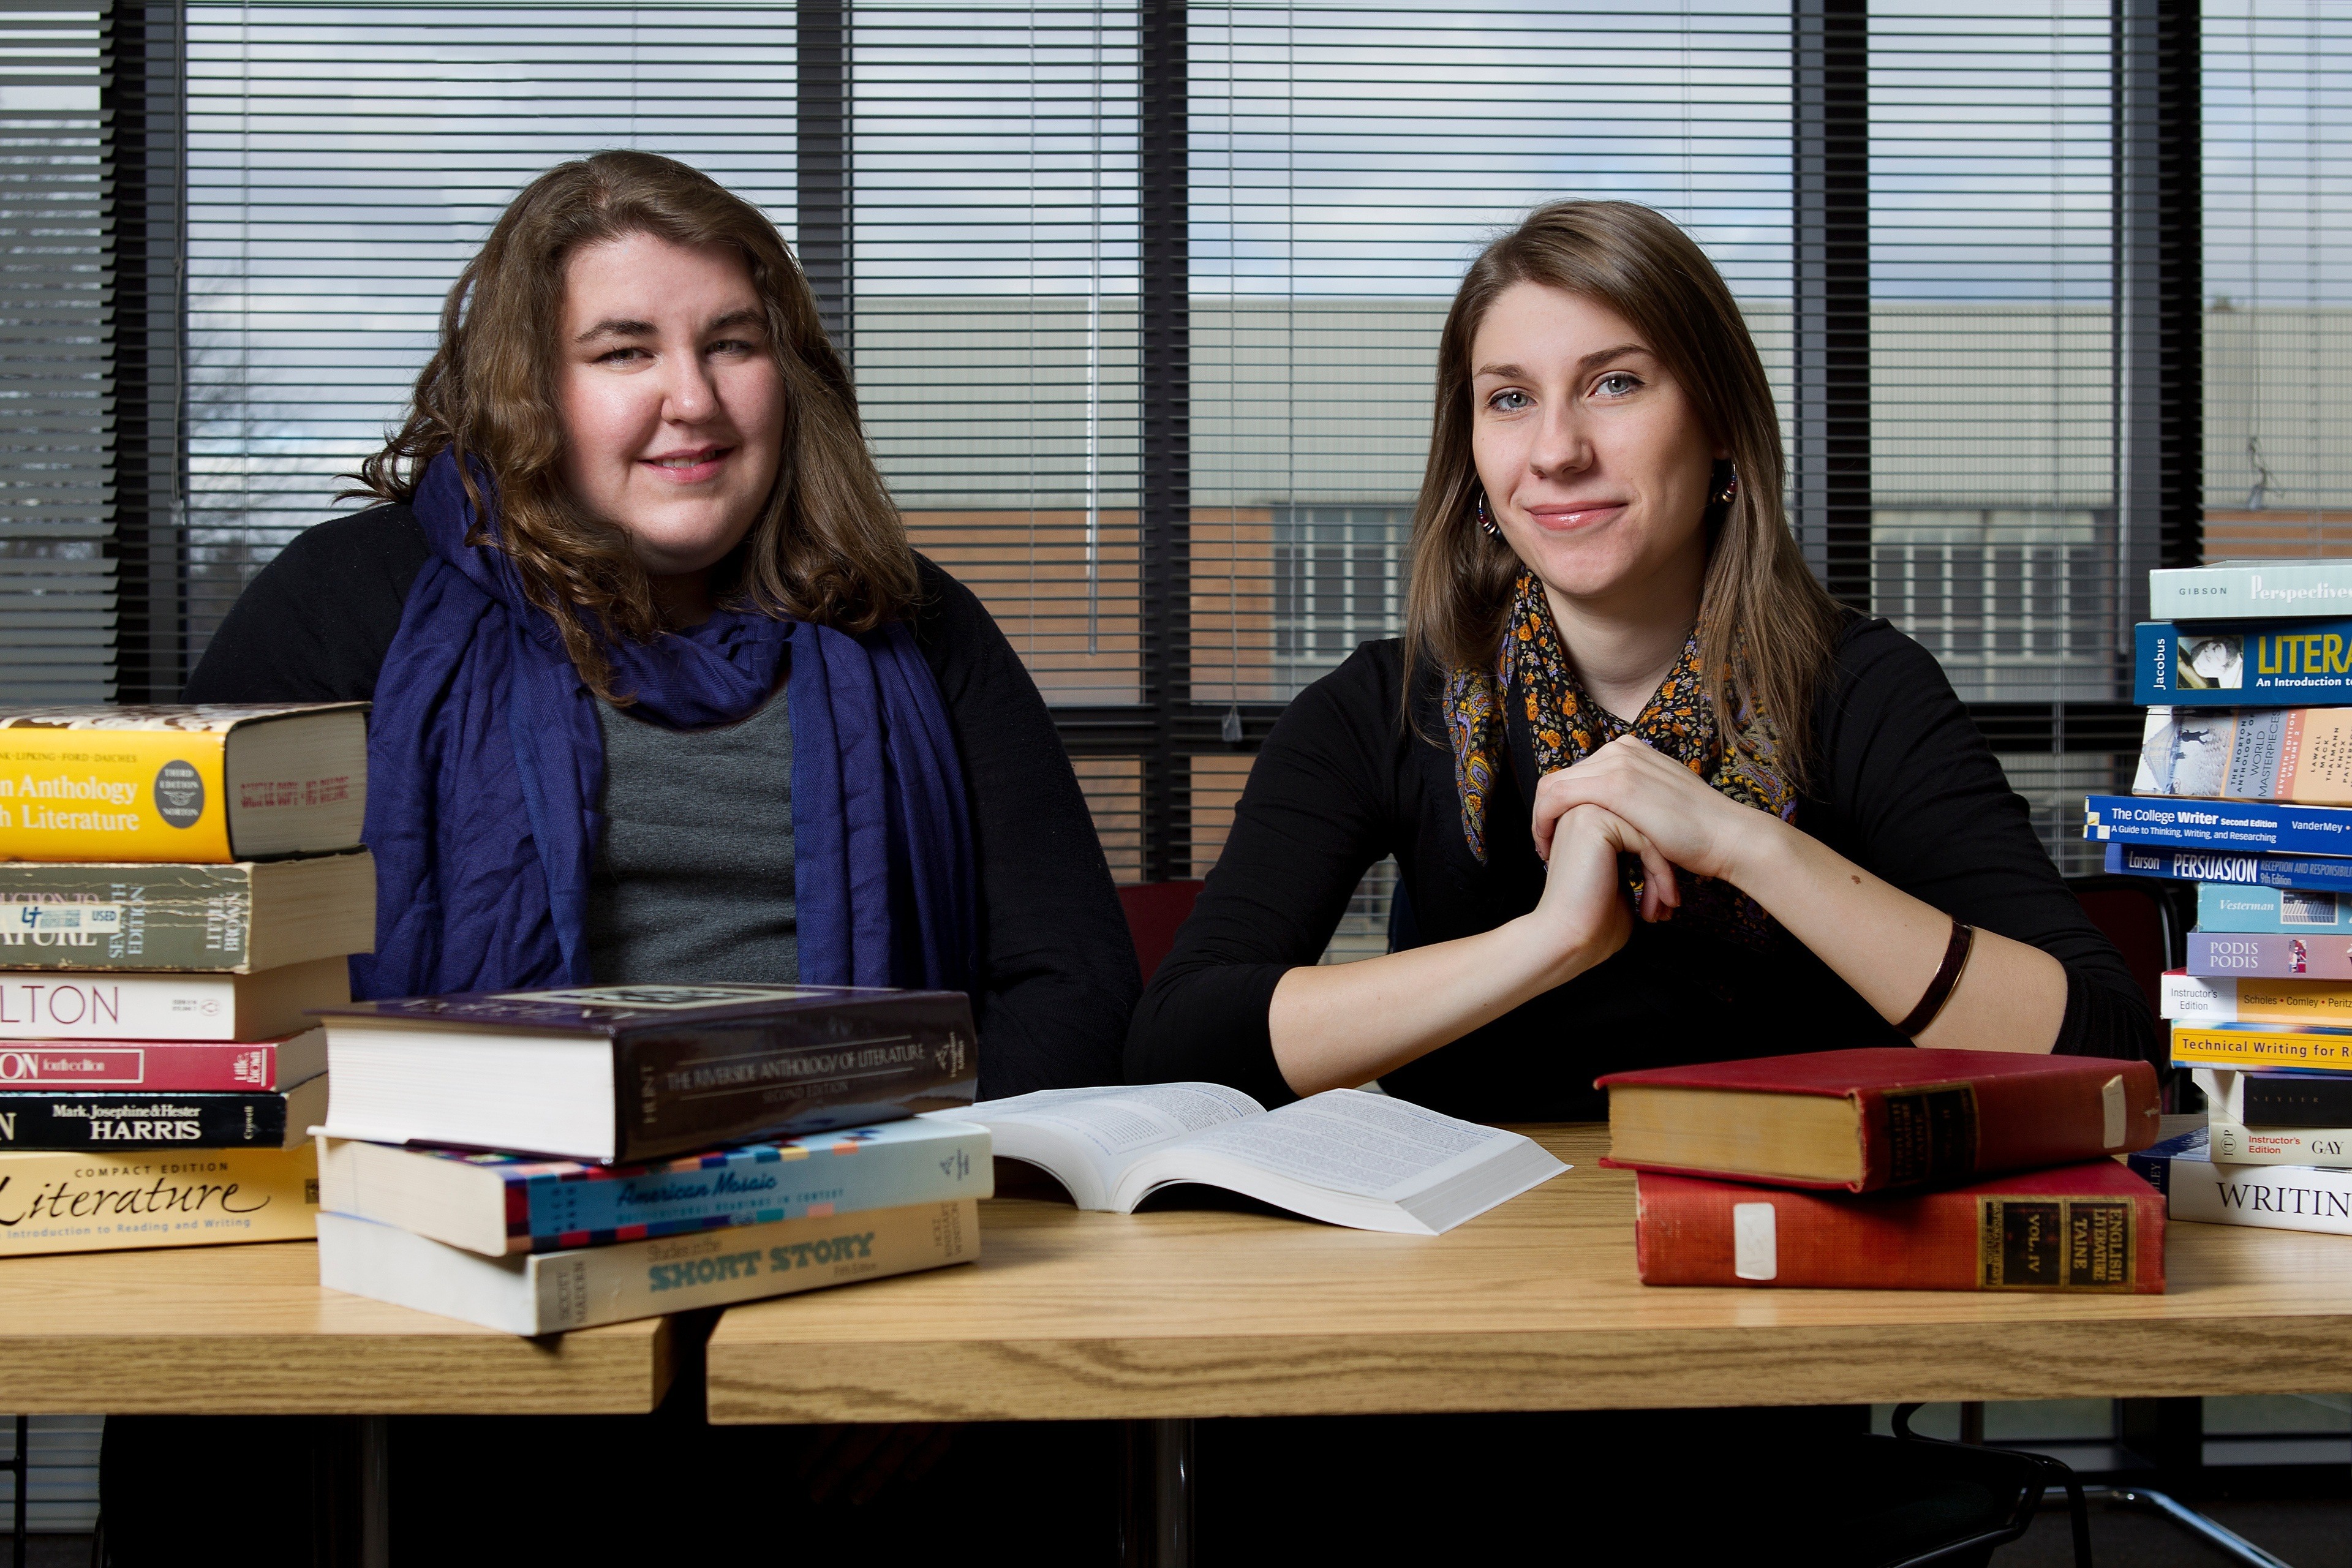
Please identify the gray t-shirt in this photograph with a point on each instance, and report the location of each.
(694, 880)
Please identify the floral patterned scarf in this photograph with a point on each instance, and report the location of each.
(1566, 726)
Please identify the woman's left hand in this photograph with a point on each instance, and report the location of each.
(1705, 833)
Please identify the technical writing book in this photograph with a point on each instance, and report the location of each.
(2274, 1100)
(2257, 1046)
(83, 1202)
(2251, 589)
(231, 919)
(2273, 1198)
(2299, 754)
(2225, 907)
(1343, 1156)
(498, 1204)
(2268, 955)
(2214, 999)
(72, 1119)
(1878, 1117)
(202, 784)
(164, 1066)
(550, 1291)
(643, 1072)
(2314, 872)
(53, 1005)
(2278, 827)
(2088, 1227)
(2305, 663)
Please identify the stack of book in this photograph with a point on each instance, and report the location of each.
(536, 1161)
(2244, 786)
(178, 888)
(1893, 1169)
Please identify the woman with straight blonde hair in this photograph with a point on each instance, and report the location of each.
(1652, 795)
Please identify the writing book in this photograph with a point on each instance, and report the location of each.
(1343, 1156)
(2195, 1186)
(631, 1073)
(2280, 827)
(230, 919)
(2292, 1048)
(1878, 1117)
(498, 1204)
(206, 785)
(2094, 1227)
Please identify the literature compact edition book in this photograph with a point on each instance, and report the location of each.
(628, 1073)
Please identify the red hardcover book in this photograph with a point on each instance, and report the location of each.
(1875, 1118)
(2092, 1226)
(169, 1067)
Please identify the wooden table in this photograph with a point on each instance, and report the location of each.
(1534, 1306)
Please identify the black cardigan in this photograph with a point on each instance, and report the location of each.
(1906, 786)
(1057, 976)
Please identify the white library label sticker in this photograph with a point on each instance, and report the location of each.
(1755, 1241)
(2111, 1103)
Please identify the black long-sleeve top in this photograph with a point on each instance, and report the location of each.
(1058, 973)
(1905, 785)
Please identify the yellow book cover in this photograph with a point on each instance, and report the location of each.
(163, 1197)
(189, 785)
(2262, 1046)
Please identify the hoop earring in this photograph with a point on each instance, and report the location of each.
(1730, 488)
(1486, 521)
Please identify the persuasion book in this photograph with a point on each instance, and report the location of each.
(550, 1291)
(251, 1119)
(2257, 1046)
(2274, 1198)
(2300, 755)
(2271, 955)
(2275, 826)
(2303, 662)
(1343, 1156)
(165, 1067)
(2295, 911)
(233, 919)
(115, 1006)
(497, 1204)
(201, 785)
(2211, 999)
(1878, 1117)
(82, 1202)
(2251, 589)
(2314, 872)
(643, 1072)
(2088, 1227)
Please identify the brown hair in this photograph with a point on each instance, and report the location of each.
(829, 547)
(1766, 627)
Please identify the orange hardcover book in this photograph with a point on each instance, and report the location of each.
(2094, 1227)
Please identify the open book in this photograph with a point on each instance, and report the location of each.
(1343, 1156)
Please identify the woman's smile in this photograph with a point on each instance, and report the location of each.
(1574, 516)
(695, 465)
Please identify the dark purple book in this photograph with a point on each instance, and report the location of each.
(642, 1072)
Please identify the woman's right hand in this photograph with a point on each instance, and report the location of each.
(1583, 916)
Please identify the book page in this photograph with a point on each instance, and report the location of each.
(1369, 1144)
(1106, 1127)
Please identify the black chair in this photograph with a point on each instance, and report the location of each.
(1952, 1503)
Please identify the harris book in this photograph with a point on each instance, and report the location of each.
(2250, 664)
(207, 784)
(2317, 872)
(71, 1119)
(630, 1073)
(1873, 1118)
(497, 1204)
(84, 1202)
(165, 1067)
(2085, 1227)
(543, 1293)
(2272, 827)
(231, 919)
(2273, 1198)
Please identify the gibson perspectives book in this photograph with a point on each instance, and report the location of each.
(629, 1073)
(227, 919)
(2251, 589)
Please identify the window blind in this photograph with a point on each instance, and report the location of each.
(57, 610)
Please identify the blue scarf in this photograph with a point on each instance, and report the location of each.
(485, 781)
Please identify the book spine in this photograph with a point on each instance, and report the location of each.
(115, 1008)
(2235, 1143)
(2249, 593)
(648, 1278)
(2273, 1198)
(747, 1187)
(2276, 955)
(1691, 1231)
(2254, 1046)
(2268, 1100)
(2299, 663)
(121, 1065)
(2229, 909)
(1952, 1132)
(66, 1120)
(113, 795)
(2316, 874)
(102, 1202)
(2225, 825)
(126, 917)
(2200, 999)
(843, 1066)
